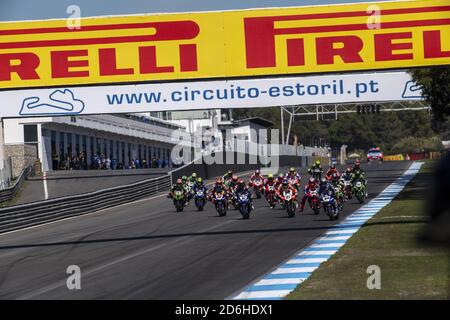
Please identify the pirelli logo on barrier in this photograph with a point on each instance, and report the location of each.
(229, 44)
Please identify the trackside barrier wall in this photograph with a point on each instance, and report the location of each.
(30, 214)
(10, 192)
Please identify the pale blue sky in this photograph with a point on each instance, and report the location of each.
(45, 9)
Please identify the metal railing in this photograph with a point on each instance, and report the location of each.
(10, 192)
(30, 214)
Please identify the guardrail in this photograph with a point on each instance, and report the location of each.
(30, 214)
(10, 192)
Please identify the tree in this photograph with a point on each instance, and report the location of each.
(435, 84)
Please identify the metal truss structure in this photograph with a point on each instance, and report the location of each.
(331, 111)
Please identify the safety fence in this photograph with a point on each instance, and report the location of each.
(10, 192)
(26, 215)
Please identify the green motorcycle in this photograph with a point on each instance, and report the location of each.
(179, 200)
(359, 190)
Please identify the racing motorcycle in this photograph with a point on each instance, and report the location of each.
(220, 202)
(347, 189)
(314, 201)
(257, 185)
(270, 195)
(339, 197)
(289, 202)
(200, 199)
(359, 190)
(244, 204)
(179, 200)
(294, 183)
(329, 203)
(316, 174)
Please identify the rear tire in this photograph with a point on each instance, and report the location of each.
(291, 209)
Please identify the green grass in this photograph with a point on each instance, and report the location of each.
(410, 269)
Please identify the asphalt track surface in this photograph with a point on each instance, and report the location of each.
(145, 250)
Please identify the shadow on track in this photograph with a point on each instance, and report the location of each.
(162, 236)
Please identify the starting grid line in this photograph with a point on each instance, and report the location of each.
(283, 280)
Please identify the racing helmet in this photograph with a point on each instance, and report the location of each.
(292, 169)
(234, 178)
(241, 181)
(317, 162)
(257, 172)
(219, 181)
(349, 170)
(285, 183)
(311, 182)
(194, 175)
(179, 181)
(183, 178)
(323, 181)
(200, 180)
(357, 163)
(333, 166)
(230, 172)
(270, 177)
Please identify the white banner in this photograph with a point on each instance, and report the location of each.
(253, 93)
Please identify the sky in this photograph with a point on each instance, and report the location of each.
(11, 10)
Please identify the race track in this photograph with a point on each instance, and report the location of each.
(145, 250)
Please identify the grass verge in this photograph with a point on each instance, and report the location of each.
(409, 269)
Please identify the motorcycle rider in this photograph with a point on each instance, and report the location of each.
(200, 186)
(242, 187)
(177, 186)
(316, 170)
(230, 185)
(256, 176)
(358, 174)
(331, 171)
(326, 186)
(311, 186)
(347, 174)
(280, 180)
(228, 176)
(293, 175)
(268, 183)
(285, 186)
(217, 188)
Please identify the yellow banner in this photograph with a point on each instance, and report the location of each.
(229, 44)
(396, 157)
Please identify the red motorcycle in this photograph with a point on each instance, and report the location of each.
(289, 200)
(294, 183)
(313, 200)
(257, 186)
(270, 195)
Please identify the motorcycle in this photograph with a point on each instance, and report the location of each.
(294, 183)
(316, 174)
(359, 190)
(329, 203)
(313, 201)
(347, 189)
(270, 195)
(232, 198)
(244, 204)
(200, 199)
(257, 186)
(339, 197)
(289, 202)
(189, 189)
(220, 202)
(179, 200)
